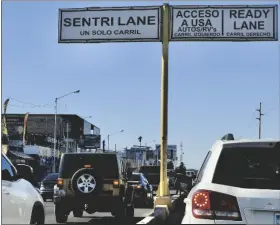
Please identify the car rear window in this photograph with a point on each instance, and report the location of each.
(51, 176)
(149, 169)
(105, 165)
(134, 177)
(246, 167)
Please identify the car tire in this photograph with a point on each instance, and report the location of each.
(60, 215)
(85, 171)
(151, 203)
(38, 216)
(78, 212)
(129, 210)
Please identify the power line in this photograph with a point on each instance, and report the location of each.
(260, 119)
(31, 104)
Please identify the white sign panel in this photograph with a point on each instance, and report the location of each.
(109, 24)
(224, 23)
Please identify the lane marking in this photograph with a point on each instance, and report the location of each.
(146, 220)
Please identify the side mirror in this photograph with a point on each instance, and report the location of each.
(25, 172)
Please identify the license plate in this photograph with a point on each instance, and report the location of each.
(277, 218)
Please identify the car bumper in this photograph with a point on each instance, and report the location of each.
(46, 192)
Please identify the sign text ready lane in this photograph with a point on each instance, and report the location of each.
(228, 23)
(109, 24)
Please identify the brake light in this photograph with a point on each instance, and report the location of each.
(59, 182)
(138, 186)
(215, 206)
(87, 166)
(115, 183)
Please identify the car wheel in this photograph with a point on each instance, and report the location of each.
(86, 182)
(38, 216)
(151, 202)
(60, 215)
(130, 210)
(78, 212)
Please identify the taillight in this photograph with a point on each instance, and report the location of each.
(214, 205)
(138, 186)
(115, 183)
(59, 182)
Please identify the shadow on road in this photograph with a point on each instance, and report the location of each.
(108, 220)
(112, 220)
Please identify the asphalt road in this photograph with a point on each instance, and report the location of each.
(99, 218)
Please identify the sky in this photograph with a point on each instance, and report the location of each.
(214, 87)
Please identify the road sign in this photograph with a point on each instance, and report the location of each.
(119, 24)
(224, 23)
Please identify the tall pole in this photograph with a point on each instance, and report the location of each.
(163, 195)
(54, 148)
(108, 142)
(260, 120)
(115, 147)
(67, 145)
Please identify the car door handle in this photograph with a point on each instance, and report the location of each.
(5, 192)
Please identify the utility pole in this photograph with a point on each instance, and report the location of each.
(260, 120)
(67, 143)
(54, 147)
(108, 137)
(182, 153)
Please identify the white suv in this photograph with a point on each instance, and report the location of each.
(21, 202)
(238, 183)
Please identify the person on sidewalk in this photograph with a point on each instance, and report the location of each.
(178, 185)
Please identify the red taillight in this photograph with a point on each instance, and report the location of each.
(59, 182)
(214, 205)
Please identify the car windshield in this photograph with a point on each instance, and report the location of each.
(254, 168)
(51, 176)
(134, 177)
(104, 164)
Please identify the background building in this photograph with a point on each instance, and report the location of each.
(171, 153)
(72, 131)
(140, 155)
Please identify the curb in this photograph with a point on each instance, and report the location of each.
(151, 219)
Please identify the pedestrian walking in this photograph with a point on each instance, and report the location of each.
(178, 184)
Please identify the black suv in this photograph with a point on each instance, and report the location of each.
(93, 182)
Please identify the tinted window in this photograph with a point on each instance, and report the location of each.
(134, 177)
(51, 176)
(256, 168)
(149, 169)
(105, 165)
(8, 172)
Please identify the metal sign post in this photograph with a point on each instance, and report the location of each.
(163, 195)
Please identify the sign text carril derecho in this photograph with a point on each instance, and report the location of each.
(118, 24)
(228, 23)
(187, 23)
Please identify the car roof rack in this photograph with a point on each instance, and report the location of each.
(228, 137)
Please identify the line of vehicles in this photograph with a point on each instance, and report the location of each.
(86, 182)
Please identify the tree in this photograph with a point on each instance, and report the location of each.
(181, 169)
(170, 165)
